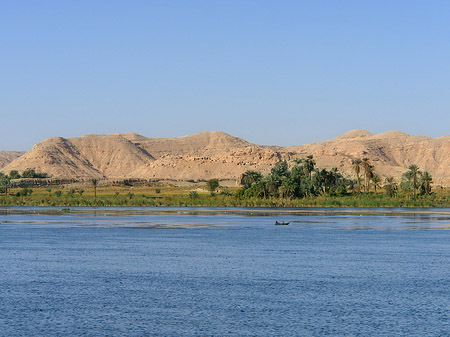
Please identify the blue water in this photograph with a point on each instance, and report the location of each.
(224, 272)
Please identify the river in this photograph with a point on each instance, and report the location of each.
(224, 272)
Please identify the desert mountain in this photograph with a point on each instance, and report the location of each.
(8, 156)
(216, 154)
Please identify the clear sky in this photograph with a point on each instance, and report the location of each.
(271, 72)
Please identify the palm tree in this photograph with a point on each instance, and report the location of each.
(369, 173)
(287, 188)
(414, 176)
(376, 180)
(390, 186)
(280, 169)
(425, 182)
(298, 171)
(262, 188)
(94, 184)
(249, 178)
(320, 181)
(365, 165)
(310, 164)
(357, 168)
(271, 182)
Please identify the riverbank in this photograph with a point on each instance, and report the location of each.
(66, 196)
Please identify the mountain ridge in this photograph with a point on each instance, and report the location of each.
(215, 154)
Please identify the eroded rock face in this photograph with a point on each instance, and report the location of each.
(216, 154)
(7, 157)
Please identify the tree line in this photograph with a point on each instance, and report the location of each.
(5, 179)
(303, 179)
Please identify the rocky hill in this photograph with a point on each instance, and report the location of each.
(8, 156)
(216, 154)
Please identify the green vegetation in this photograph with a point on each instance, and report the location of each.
(30, 173)
(297, 184)
(184, 196)
(302, 180)
(94, 184)
(5, 184)
(212, 184)
(14, 174)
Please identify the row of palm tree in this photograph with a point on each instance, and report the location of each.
(300, 180)
(369, 174)
(413, 179)
(303, 179)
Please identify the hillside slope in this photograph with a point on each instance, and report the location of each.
(216, 154)
(8, 156)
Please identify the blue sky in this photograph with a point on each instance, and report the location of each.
(271, 72)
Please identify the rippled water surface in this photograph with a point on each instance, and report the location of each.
(217, 272)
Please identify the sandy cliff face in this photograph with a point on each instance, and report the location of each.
(216, 154)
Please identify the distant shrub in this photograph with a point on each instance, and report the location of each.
(13, 174)
(58, 193)
(31, 173)
(24, 192)
(212, 184)
(225, 192)
(193, 195)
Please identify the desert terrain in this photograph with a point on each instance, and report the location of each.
(215, 154)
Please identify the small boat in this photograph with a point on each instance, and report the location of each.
(282, 223)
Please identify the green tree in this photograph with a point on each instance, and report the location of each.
(366, 164)
(280, 169)
(425, 182)
(390, 186)
(29, 173)
(212, 184)
(248, 178)
(309, 165)
(376, 180)
(414, 178)
(405, 183)
(369, 173)
(5, 184)
(272, 182)
(287, 188)
(356, 164)
(94, 184)
(14, 174)
(297, 175)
